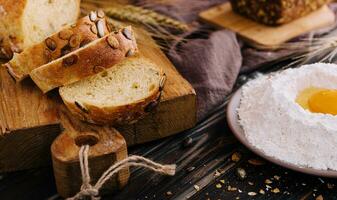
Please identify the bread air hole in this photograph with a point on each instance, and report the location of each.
(135, 85)
(152, 86)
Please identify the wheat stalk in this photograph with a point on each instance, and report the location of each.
(141, 15)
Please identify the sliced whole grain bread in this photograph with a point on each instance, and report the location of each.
(69, 39)
(86, 61)
(26, 22)
(120, 95)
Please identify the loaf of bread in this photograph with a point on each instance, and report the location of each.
(26, 22)
(120, 95)
(57, 45)
(86, 61)
(276, 12)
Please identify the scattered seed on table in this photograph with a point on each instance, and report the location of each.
(187, 142)
(241, 173)
(231, 189)
(217, 173)
(262, 191)
(236, 157)
(320, 179)
(330, 186)
(252, 193)
(218, 186)
(222, 181)
(320, 197)
(196, 187)
(190, 169)
(277, 177)
(275, 190)
(267, 181)
(250, 183)
(169, 193)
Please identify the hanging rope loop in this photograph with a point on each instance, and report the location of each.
(87, 190)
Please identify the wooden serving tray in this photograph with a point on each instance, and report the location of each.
(266, 36)
(29, 120)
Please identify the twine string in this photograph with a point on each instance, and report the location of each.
(87, 190)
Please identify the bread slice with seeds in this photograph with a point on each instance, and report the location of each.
(69, 39)
(120, 95)
(26, 22)
(86, 61)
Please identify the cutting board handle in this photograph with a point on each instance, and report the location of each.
(106, 148)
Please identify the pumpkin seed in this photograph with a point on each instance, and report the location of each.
(100, 13)
(6, 52)
(70, 60)
(98, 69)
(100, 28)
(65, 50)
(75, 40)
(65, 34)
(81, 107)
(51, 44)
(113, 42)
(10, 72)
(152, 105)
(162, 82)
(130, 53)
(127, 33)
(93, 29)
(92, 16)
(47, 55)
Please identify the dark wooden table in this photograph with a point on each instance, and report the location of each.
(207, 169)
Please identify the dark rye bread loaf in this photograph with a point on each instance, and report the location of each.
(70, 38)
(276, 12)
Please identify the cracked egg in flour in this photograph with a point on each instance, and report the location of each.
(292, 115)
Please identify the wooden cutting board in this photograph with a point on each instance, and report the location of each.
(266, 36)
(29, 120)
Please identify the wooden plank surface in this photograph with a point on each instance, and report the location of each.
(262, 35)
(29, 120)
(204, 159)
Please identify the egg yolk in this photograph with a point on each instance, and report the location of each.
(318, 100)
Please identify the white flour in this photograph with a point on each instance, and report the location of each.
(274, 123)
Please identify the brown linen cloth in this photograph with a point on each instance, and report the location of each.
(210, 59)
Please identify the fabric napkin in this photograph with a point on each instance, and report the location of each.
(211, 59)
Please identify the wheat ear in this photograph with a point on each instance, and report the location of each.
(141, 15)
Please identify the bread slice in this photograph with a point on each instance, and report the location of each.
(57, 45)
(26, 22)
(86, 61)
(120, 95)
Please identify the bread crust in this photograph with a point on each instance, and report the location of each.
(87, 61)
(120, 115)
(37, 55)
(12, 38)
